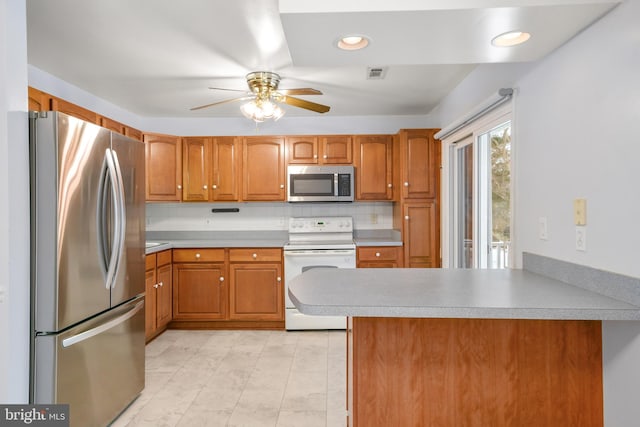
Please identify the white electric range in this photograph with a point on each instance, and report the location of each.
(316, 242)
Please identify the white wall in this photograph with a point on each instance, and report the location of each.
(14, 204)
(577, 127)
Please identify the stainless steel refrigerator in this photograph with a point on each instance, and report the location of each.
(87, 267)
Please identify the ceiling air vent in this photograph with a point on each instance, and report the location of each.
(376, 73)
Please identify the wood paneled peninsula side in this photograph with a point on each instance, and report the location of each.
(450, 347)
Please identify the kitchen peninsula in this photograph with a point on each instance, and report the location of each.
(466, 347)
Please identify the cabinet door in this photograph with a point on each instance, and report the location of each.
(196, 154)
(336, 149)
(150, 301)
(419, 163)
(256, 291)
(421, 240)
(199, 291)
(164, 296)
(374, 167)
(74, 110)
(226, 169)
(302, 150)
(163, 155)
(263, 169)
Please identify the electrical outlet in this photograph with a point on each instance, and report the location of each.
(543, 232)
(581, 239)
(374, 218)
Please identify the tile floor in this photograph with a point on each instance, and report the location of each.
(242, 378)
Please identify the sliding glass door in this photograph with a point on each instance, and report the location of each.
(480, 188)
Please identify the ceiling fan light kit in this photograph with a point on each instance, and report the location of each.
(265, 97)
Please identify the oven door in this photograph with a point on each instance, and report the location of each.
(297, 262)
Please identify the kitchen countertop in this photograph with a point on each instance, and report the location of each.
(450, 293)
(162, 240)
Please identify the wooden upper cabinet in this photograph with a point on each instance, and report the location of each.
(314, 150)
(374, 167)
(419, 163)
(302, 150)
(74, 110)
(106, 122)
(196, 163)
(163, 167)
(336, 149)
(263, 168)
(38, 100)
(225, 171)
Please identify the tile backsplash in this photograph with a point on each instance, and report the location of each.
(261, 216)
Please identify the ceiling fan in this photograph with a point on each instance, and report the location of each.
(265, 97)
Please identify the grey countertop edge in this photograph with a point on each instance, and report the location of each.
(466, 312)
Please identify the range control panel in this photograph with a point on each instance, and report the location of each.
(330, 224)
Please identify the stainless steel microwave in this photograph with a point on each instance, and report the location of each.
(320, 183)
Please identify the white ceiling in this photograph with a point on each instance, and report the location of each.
(157, 58)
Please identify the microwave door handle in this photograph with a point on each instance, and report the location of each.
(336, 191)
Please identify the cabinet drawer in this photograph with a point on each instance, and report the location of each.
(255, 254)
(379, 253)
(164, 258)
(198, 255)
(150, 262)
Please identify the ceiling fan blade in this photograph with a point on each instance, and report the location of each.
(307, 105)
(231, 90)
(242, 98)
(300, 91)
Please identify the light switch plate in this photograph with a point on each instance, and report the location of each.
(581, 238)
(543, 232)
(580, 211)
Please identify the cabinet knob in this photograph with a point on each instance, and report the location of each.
(204, 187)
(406, 217)
(377, 254)
(221, 279)
(281, 185)
(161, 284)
(406, 184)
(254, 256)
(315, 156)
(214, 186)
(279, 279)
(389, 185)
(197, 256)
(325, 156)
(179, 187)
(155, 286)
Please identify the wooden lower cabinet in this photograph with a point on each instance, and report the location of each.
(228, 288)
(474, 372)
(158, 296)
(379, 257)
(199, 284)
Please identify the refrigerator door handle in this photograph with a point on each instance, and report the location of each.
(68, 342)
(114, 257)
(121, 215)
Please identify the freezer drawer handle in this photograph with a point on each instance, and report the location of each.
(68, 342)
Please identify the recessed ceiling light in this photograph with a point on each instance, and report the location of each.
(353, 42)
(510, 38)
